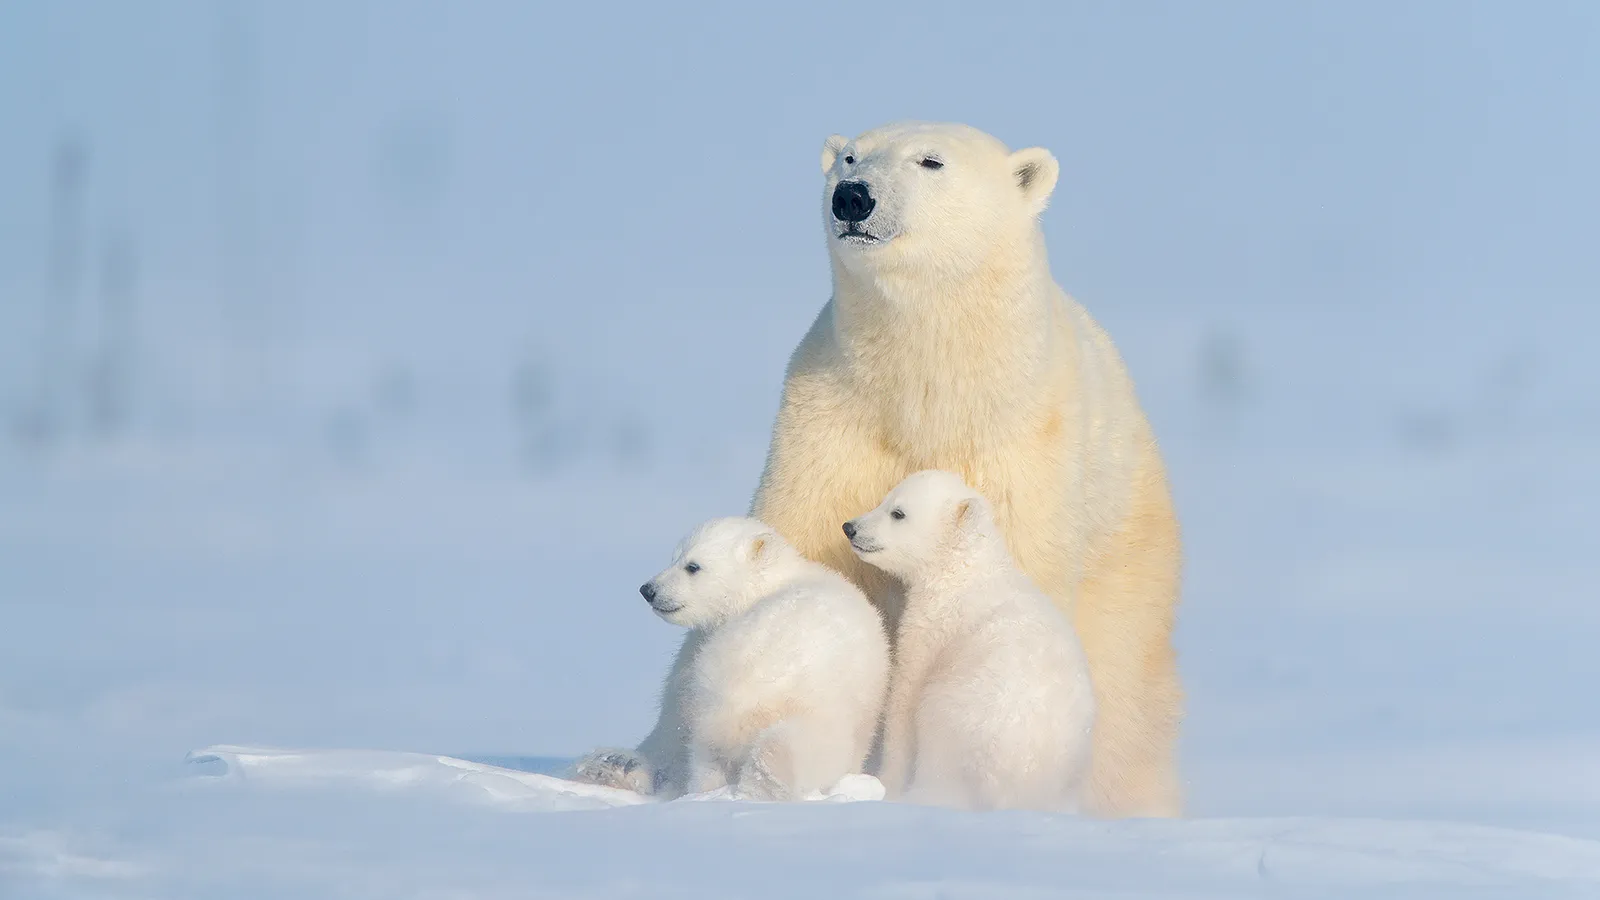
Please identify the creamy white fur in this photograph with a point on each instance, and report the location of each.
(948, 345)
(783, 694)
(990, 702)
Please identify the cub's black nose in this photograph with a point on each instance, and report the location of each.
(648, 590)
(850, 530)
(852, 202)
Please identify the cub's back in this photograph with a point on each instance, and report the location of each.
(1018, 626)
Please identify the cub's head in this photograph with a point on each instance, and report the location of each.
(926, 522)
(931, 195)
(717, 572)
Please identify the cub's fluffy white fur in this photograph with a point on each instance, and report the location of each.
(782, 696)
(990, 702)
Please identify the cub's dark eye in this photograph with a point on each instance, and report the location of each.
(692, 568)
(929, 162)
(897, 514)
(849, 160)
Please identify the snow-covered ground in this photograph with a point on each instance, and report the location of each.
(370, 824)
(433, 372)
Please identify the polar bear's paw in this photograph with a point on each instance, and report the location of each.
(615, 768)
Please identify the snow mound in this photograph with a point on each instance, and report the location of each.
(392, 771)
(448, 777)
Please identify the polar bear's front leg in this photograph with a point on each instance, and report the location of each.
(907, 680)
(705, 774)
(899, 740)
(799, 757)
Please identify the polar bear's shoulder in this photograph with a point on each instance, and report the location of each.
(818, 351)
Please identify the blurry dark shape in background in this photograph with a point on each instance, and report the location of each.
(394, 391)
(551, 434)
(243, 286)
(348, 436)
(1223, 378)
(543, 443)
(1430, 431)
(111, 370)
(1506, 388)
(42, 424)
(631, 442)
(411, 168)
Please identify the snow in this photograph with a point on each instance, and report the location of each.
(391, 771)
(392, 840)
(445, 776)
(398, 491)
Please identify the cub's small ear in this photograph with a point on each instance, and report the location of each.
(758, 547)
(1035, 170)
(963, 514)
(830, 150)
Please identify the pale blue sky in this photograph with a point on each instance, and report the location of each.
(1279, 153)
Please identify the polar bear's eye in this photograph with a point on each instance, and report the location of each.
(897, 513)
(849, 160)
(692, 568)
(929, 162)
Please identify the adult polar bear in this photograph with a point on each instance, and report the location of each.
(948, 345)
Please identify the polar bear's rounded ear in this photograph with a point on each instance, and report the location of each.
(830, 150)
(758, 547)
(970, 514)
(964, 514)
(1035, 170)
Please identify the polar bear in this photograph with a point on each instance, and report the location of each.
(783, 696)
(990, 702)
(948, 345)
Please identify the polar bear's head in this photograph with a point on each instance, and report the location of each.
(717, 572)
(925, 195)
(927, 521)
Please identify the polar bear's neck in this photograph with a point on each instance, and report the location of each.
(944, 589)
(939, 357)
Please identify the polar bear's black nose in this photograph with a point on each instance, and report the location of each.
(850, 530)
(852, 202)
(648, 591)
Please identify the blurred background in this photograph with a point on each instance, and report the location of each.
(359, 360)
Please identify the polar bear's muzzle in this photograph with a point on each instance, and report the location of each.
(853, 204)
(859, 542)
(658, 603)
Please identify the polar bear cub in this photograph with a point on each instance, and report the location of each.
(783, 697)
(990, 703)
